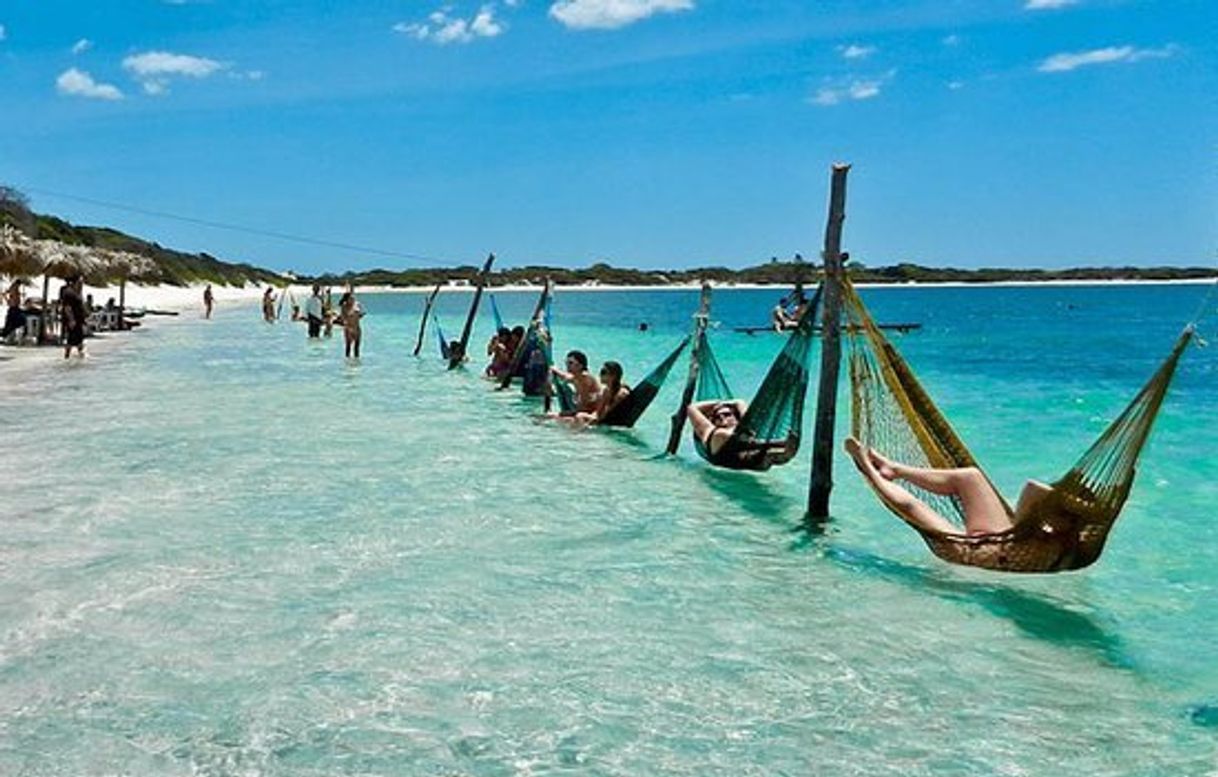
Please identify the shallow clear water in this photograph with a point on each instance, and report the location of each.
(226, 551)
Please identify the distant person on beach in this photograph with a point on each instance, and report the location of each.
(73, 312)
(587, 389)
(268, 305)
(15, 317)
(351, 312)
(208, 301)
(313, 312)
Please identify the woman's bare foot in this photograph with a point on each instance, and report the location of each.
(855, 449)
(884, 465)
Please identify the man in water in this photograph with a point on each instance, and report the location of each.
(313, 312)
(208, 301)
(73, 311)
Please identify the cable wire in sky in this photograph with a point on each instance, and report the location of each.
(239, 228)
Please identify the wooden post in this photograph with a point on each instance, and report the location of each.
(456, 359)
(831, 352)
(427, 303)
(534, 320)
(691, 381)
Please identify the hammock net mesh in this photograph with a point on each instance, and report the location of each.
(1064, 529)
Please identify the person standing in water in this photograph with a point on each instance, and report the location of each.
(268, 305)
(73, 311)
(208, 301)
(351, 312)
(313, 312)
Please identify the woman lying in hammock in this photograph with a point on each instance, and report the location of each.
(984, 511)
(716, 424)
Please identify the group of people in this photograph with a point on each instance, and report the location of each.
(75, 311)
(320, 316)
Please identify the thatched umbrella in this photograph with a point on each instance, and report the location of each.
(17, 255)
(129, 266)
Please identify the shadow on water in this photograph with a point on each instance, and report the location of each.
(1036, 616)
(754, 496)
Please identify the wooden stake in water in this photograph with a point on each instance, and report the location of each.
(821, 482)
(691, 382)
(431, 298)
(459, 357)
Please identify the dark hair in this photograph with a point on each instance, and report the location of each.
(503, 333)
(518, 331)
(725, 405)
(579, 357)
(614, 369)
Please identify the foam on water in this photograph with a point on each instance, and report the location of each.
(224, 550)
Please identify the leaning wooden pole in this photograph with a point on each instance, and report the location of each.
(691, 381)
(456, 359)
(427, 303)
(831, 352)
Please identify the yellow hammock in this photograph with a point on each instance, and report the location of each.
(1063, 530)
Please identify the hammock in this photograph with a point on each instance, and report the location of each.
(495, 313)
(769, 433)
(634, 404)
(440, 335)
(1063, 530)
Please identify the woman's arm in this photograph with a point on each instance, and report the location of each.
(697, 414)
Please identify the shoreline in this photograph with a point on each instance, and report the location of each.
(184, 298)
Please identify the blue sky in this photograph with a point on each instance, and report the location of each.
(646, 133)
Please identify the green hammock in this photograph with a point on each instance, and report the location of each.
(634, 404)
(769, 433)
(1065, 528)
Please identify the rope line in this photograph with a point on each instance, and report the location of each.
(240, 228)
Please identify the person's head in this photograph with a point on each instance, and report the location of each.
(725, 415)
(517, 333)
(611, 372)
(503, 334)
(643, 326)
(577, 361)
(316, 288)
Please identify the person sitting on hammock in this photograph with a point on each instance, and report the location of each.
(984, 511)
(613, 392)
(715, 424)
(587, 389)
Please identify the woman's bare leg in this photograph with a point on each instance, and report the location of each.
(984, 511)
(908, 506)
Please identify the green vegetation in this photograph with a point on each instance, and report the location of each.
(172, 267)
(779, 273)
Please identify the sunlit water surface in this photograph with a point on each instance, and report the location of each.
(225, 550)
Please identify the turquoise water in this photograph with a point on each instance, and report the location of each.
(226, 551)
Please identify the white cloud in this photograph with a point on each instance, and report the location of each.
(610, 14)
(1047, 5)
(3, 34)
(155, 69)
(78, 83)
(855, 89)
(951, 40)
(1067, 61)
(162, 63)
(81, 46)
(442, 27)
(855, 51)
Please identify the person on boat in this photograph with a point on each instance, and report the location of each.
(268, 305)
(501, 351)
(72, 307)
(351, 312)
(984, 511)
(587, 389)
(15, 318)
(313, 312)
(209, 300)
